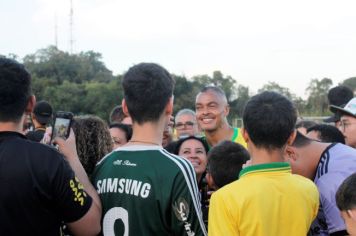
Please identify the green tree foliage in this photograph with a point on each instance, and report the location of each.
(273, 86)
(81, 83)
(185, 92)
(228, 84)
(350, 82)
(237, 106)
(317, 101)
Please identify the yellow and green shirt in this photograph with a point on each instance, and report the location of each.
(237, 137)
(267, 200)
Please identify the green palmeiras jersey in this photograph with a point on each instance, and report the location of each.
(145, 190)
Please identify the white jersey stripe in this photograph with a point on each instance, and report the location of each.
(191, 189)
(190, 169)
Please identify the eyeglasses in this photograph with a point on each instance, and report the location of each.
(187, 124)
(344, 125)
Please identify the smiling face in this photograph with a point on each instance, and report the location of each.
(211, 110)
(193, 150)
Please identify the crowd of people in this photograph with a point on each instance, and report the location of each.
(147, 172)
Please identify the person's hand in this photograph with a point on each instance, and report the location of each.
(67, 147)
(47, 136)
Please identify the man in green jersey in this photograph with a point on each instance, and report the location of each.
(144, 189)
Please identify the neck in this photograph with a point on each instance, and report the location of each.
(262, 156)
(12, 126)
(36, 124)
(315, 149)
(225, 132)
(147, 133)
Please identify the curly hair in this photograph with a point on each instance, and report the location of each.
(93, 140)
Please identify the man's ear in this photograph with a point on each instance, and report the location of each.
(291, 138)
(30, 105)
(352, 214)
(245, 135)
(290, 153)
(169, 106)
(210, 181)
(227, 110)
(124, 107)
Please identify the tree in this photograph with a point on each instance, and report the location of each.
(350, 82)
(59, 66)
(273, 86)
(228, 84)
(317, 102)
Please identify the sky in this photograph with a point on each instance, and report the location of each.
(255, 41)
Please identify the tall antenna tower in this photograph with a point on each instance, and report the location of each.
(71, 40)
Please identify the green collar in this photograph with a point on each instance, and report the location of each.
(234, 136)
(267, 167)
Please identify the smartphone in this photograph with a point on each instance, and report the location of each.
(61, 125)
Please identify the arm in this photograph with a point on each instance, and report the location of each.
(89, 224)
(335, 223)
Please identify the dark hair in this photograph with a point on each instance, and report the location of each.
(225, 162)
(300, 140)
(147, 88)
(305, 124)
(346, 194)
(15, 90)
(340, 95)
(117, 115)
(269, 118)
(182, 140)
(127, 129)
(93, 140)
(328, 133)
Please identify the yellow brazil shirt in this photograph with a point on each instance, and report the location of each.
(237, 137)
(267, 200)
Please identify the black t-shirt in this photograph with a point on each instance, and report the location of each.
(36, 135)
(38, 188)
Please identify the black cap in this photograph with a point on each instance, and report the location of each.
(43, 112)
(338, 96)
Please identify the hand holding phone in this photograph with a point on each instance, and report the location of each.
(61, 125)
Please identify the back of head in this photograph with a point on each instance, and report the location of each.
(346, 194)
(328, 133)
(93, 140)
(225, 162)
(117, 115)
(43, 112)
(301, 141)
(340, 95)
(305, 124)
(147, 88)
(269, 119)
(15, 90)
